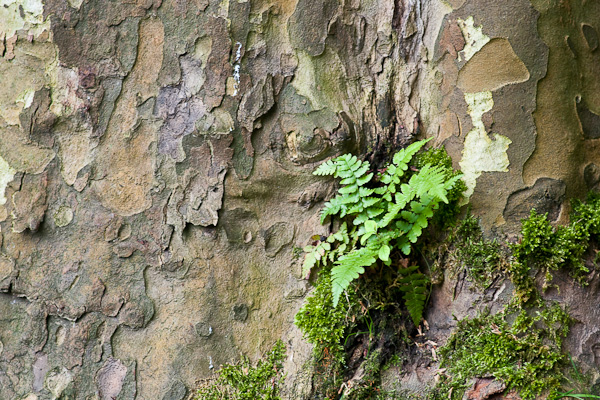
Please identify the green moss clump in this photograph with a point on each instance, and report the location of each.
(327, 327)
(526, 355)
(322, 324)
(482, 259)
(246, 382)
(522, 345)
(587, 214)
(548, 249)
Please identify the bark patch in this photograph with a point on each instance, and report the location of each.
(494, 66)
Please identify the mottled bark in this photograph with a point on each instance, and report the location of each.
(156, 158)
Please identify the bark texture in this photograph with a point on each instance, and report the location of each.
(156, 159)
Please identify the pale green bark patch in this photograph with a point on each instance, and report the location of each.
(16, 15)
(63, 216)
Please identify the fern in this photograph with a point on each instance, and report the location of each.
(414, 285)
(314, 254)
(323, 253)
(349, 267)
(399, 165)
(355, 176)
(386, 213)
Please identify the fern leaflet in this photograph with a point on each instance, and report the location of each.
(414, 286)
(349, 267)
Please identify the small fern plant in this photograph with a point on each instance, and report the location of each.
(380, 213)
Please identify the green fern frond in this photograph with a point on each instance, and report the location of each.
(350, 195)
(374, 212)
(314, 254)
(341, 235)
(399, 164)
(403, 157)
(414, 285)
(394, 209)
(327, 168)
(333, 207)
(349, 267)
(363, 180)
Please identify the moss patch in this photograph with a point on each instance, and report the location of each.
(544, 248)
(246, 382)
(525, 354)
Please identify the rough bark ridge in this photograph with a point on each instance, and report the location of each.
(155, 163)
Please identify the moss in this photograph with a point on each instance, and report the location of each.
(546, 249)
(525, 354)
(327, 328)
(246, 382)
(522, 345)
(482, 259)
(587, 214)
(323, 325)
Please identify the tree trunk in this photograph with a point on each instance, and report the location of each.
(156, 159)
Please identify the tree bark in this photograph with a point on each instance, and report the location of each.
(156, 159)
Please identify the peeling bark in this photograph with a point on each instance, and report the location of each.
(156, 159)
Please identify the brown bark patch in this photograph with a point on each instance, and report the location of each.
(494, 66)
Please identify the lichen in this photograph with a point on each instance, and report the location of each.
(7, 173)
(16, 15)
(481, 153)
(475, 39)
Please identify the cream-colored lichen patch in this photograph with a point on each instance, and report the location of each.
(477, 105)
(63, 216)
(481, 153)
(26, 98)
(6, 175)
(57, 382)
(16, 15)
(474, 37)
(223, 10)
